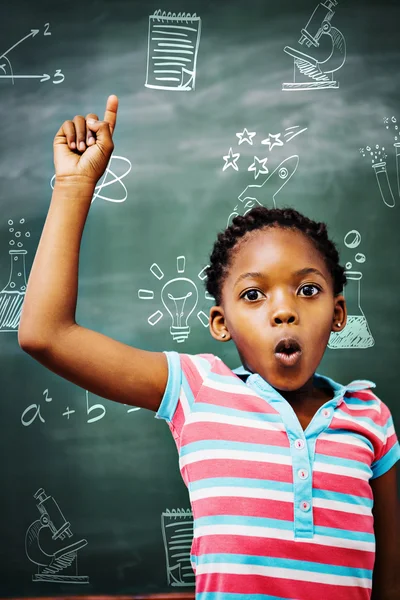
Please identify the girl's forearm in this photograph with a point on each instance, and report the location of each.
(51, 296)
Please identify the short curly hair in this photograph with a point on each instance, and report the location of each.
(261, 217)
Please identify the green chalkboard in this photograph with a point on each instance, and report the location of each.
(292, 102)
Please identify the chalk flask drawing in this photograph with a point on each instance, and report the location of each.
(13, 294)
(357, 333)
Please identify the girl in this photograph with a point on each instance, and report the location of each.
(290, 474)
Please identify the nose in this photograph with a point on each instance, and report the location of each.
(284, 313)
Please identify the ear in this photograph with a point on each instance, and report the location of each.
(218, 328)
(339, 314)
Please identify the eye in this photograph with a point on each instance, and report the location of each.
(308, 290)
(252, 295)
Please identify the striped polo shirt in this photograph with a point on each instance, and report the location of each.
(279, 513)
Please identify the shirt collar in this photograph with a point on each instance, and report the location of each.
(339, 390)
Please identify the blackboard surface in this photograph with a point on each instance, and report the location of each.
(92, 493)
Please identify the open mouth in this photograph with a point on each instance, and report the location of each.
(288, 351)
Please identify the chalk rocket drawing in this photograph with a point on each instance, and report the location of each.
(173, 45)
(179, 297)
(309, 73)
(49, 544)
(356, 333)
(177, 532)
(13, 294)
(263, 193)
(6, 70)
(118, 163)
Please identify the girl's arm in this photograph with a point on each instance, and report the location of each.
(386, 511)
(48, 330)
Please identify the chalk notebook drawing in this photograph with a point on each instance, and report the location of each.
(177, 530)
(173, 43)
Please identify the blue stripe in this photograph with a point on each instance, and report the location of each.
(231, 596)
(229, 445)
(211, 482)
(365, 420)
(170, 399)
(338, 497)
(343, 462)
(386, 462)
(233, 412)
(285, 563)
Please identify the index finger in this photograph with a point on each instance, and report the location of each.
(110, 115)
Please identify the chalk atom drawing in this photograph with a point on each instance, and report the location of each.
(309, 73)
(49, 544)
(173, 45)
(177, 532)
(179, 297)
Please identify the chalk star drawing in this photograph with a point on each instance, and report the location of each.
(259, 166)
(231, 160)
(246, 136)
(273, 140)
(179, 297)
(53, 552)
(103, 183)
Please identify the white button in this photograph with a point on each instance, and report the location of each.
(305, 506)
(326, 413)
(302, 473)
(299, 444)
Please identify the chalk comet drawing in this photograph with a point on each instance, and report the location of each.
(308, 72)
(261, 194)
(7, 72)
(51, 546)
(117, 163)
(179, 297)
(173, 45)
(177, 532)
(356, 334)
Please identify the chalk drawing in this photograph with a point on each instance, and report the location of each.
(177, 532)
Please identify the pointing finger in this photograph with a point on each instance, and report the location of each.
(110, 115)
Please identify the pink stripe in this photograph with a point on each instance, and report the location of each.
(341, 520)
(239, 468)
(248, 507)
(241, 402)
(343, 450)
(200, 431)
(344, 485)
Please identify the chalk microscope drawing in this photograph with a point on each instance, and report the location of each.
(118, 163)
(173, 44)
(7, 72)
(13, 294)
(179, 297)
(49, 544)
(309, 73)
(177, 532)
(356, 334)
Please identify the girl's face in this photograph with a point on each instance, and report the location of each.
(278, 288)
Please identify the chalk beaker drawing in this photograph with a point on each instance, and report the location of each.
(177, 532)
(384, 184)
(397, 147)
(12, 296)
(356, 334)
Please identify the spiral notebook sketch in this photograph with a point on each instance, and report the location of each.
(177, 531)
(173, 43)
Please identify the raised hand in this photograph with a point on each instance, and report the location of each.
(83, 146)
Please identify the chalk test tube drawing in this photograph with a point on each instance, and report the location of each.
(48, 544)
(6, 70)
(269, 189)
(393, 126)
(13, 294)
(379, 166)
(179, 297)
(117, 163)
(177, 532)
(173, 45)
(308, 72)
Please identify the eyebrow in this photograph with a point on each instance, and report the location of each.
(300, 272)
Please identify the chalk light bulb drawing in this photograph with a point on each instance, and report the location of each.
(180, 297)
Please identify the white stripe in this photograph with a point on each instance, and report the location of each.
(390, 431)
(340, 470)
(198, 364)
(346, 507)
(282, 534)
(242, 492)
(343, 438)
(283, 573)
(205, 417)
(360, 424)
(184, 403)
(211, 454)
(375, 406)
(230, 388)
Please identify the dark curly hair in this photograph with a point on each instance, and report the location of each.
(261, 218)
